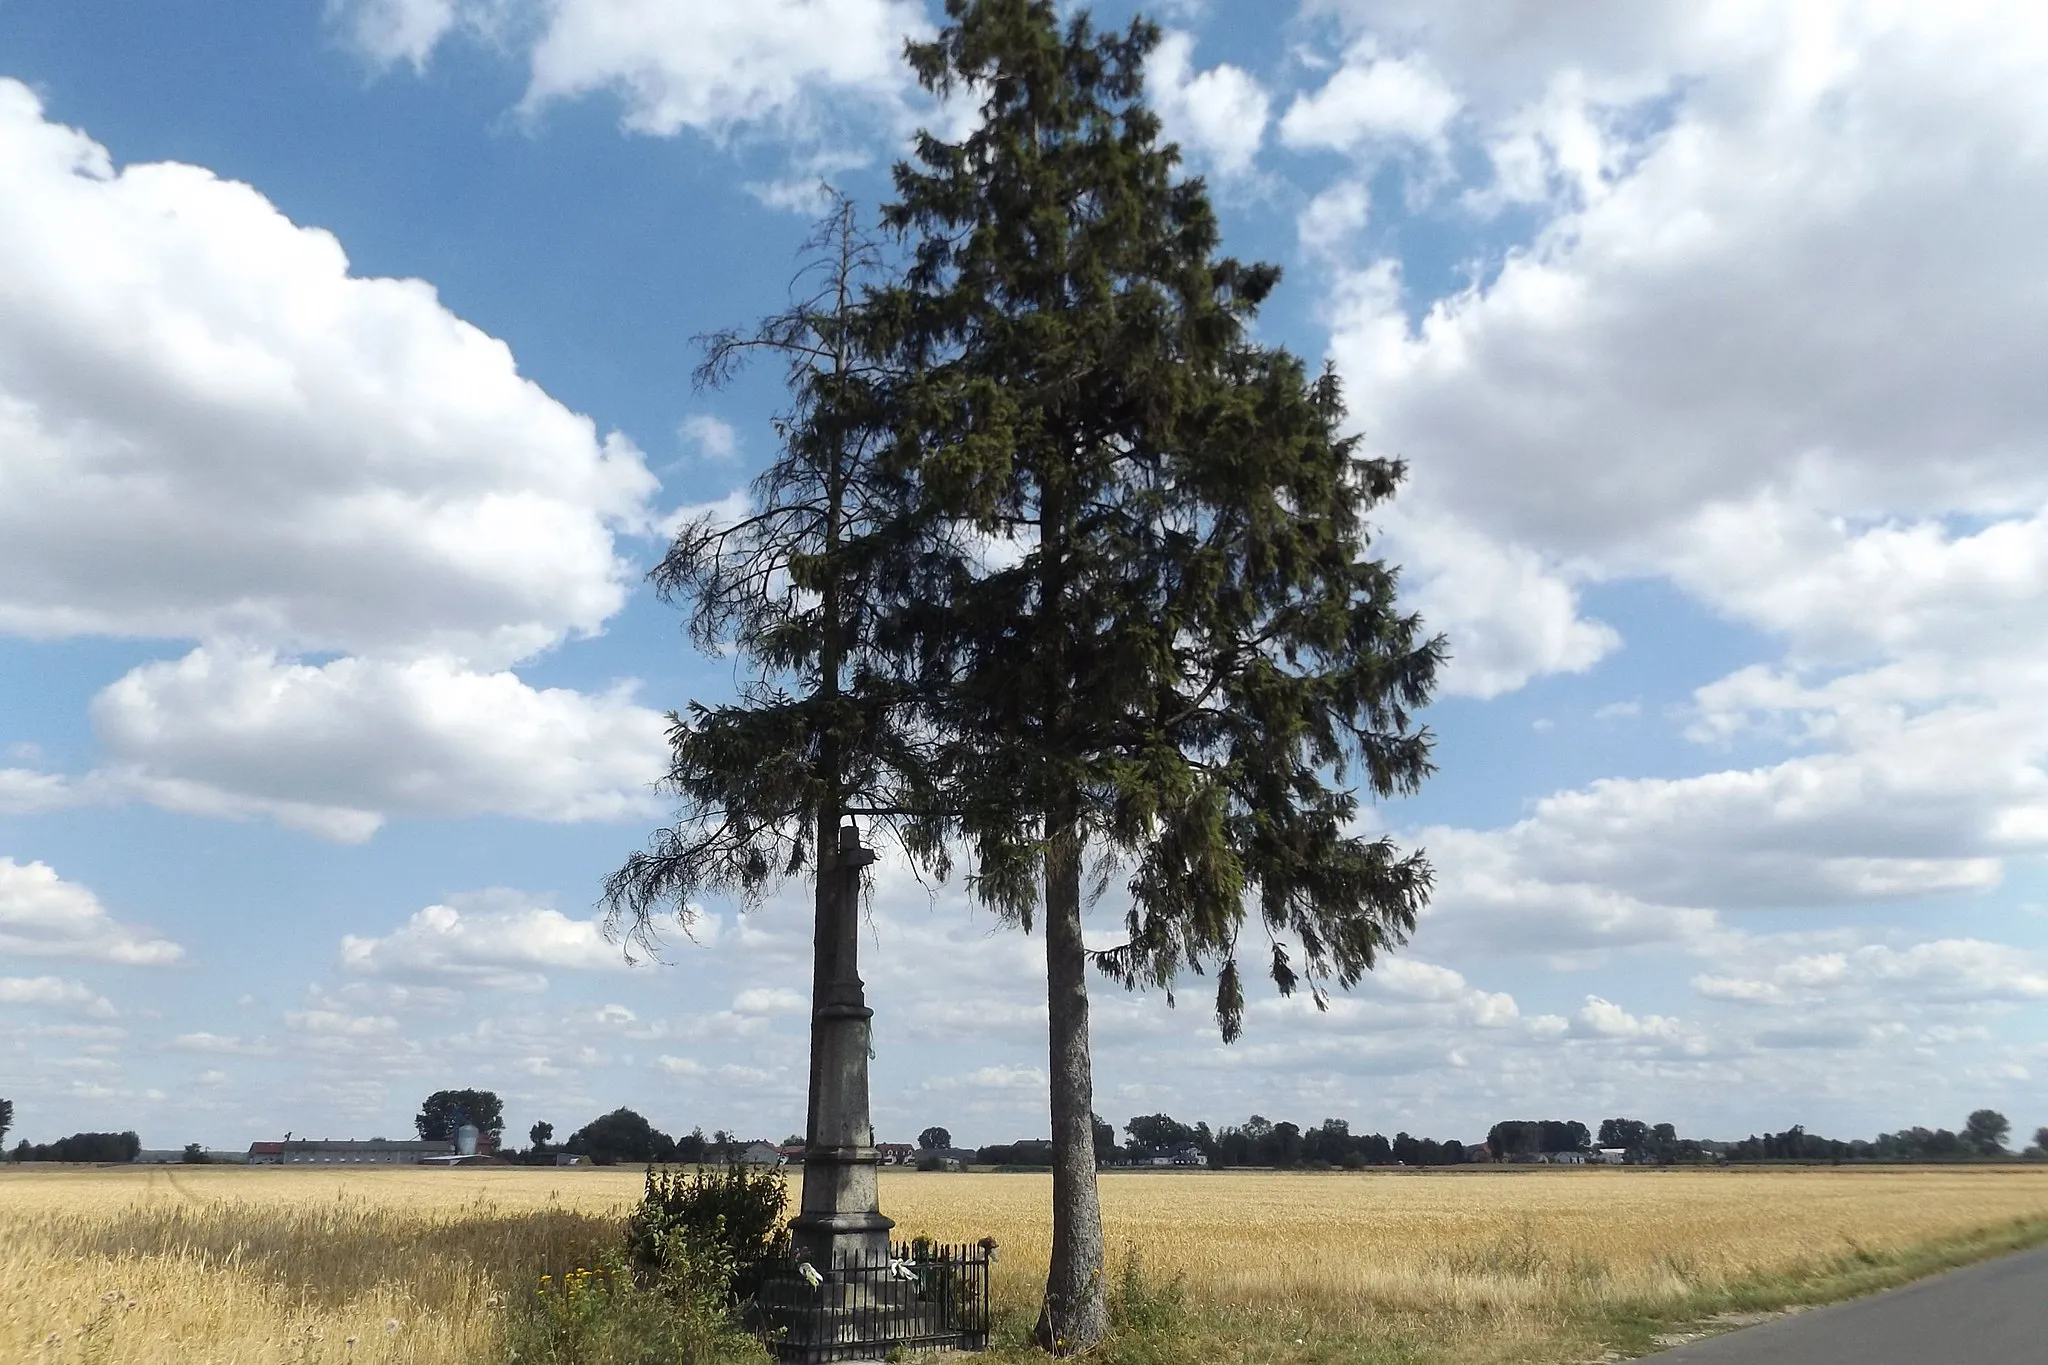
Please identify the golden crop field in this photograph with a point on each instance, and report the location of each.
(236, 1265)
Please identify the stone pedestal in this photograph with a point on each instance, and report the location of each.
(840, 1220)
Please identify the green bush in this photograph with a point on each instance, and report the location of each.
(715, 1222)
(609, 1315)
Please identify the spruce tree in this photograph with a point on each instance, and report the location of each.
(1145, 630)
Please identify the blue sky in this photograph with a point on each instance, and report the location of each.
(344, 392)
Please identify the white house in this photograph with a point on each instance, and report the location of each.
(759, 1154)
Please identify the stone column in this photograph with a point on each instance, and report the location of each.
(840, 1219)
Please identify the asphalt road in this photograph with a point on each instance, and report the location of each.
(1990, 1314)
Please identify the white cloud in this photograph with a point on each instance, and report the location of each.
(305, 460)
(335, 1025)
(1766, 346)
(50, 992)
(225, 1045)
(1812, 830)
(496, 939)
(770, 1000)
(1775, 293)
(227, 733)
(1509, 616)
(390, 31)
(1958, 969)
(1028, 1079)
(23, 792)
(710, 66)
(1605, 1019)
(302, 456)
(42, 915)
(1220, 113)
(1502, 53)
(1497, 893)
(1371, 100)
(713, 438)
(1334, 218)
(1839, 593)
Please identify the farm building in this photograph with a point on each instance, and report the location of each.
(326, 1152)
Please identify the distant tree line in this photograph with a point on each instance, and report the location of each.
(1983, 1134)
(1259, 1141)
(624, 1135)
(82, 1147)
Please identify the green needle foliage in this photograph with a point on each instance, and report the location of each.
(1151, 631)
(792, 588)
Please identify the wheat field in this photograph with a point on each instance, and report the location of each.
(253, 1266)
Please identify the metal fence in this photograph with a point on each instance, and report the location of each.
(921, 1297)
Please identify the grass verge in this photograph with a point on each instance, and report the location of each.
(1156, 1323)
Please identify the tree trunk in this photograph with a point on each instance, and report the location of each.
(1076, 1313)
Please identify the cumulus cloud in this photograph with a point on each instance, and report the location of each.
(713, 438)
(1605, 1019)
(1763, 344)
(56, 993)
(1508, 615)
(219, 1044)
(707, 66)
(1709, 326)
(302, 455)
(1372, 99)
(1939, 972)
(770, 1000)
(334, 1025)
(1219, 113)
(497, 938)
(1030, 1080)
(1498, 894)
(42, 915)
(306, 460)
(246, 730)
(1334, 219)
(697, 64)
(390, 31)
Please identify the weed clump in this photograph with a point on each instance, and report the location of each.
(665, 1295)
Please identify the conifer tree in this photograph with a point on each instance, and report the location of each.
(1167, 650)
(793, 588)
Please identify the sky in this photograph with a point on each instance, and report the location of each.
(345, 393)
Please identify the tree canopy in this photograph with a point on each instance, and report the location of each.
(1986, 1130)
(442, 1112)
(108, 1147)
(1532, 1136)
(1148, 634)
(792, 589)
(621, 1135)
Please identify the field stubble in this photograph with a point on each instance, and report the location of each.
(251, 1267)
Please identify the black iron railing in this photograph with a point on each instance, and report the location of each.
(921, 1297)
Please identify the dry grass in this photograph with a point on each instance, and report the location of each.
(238, 1265)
